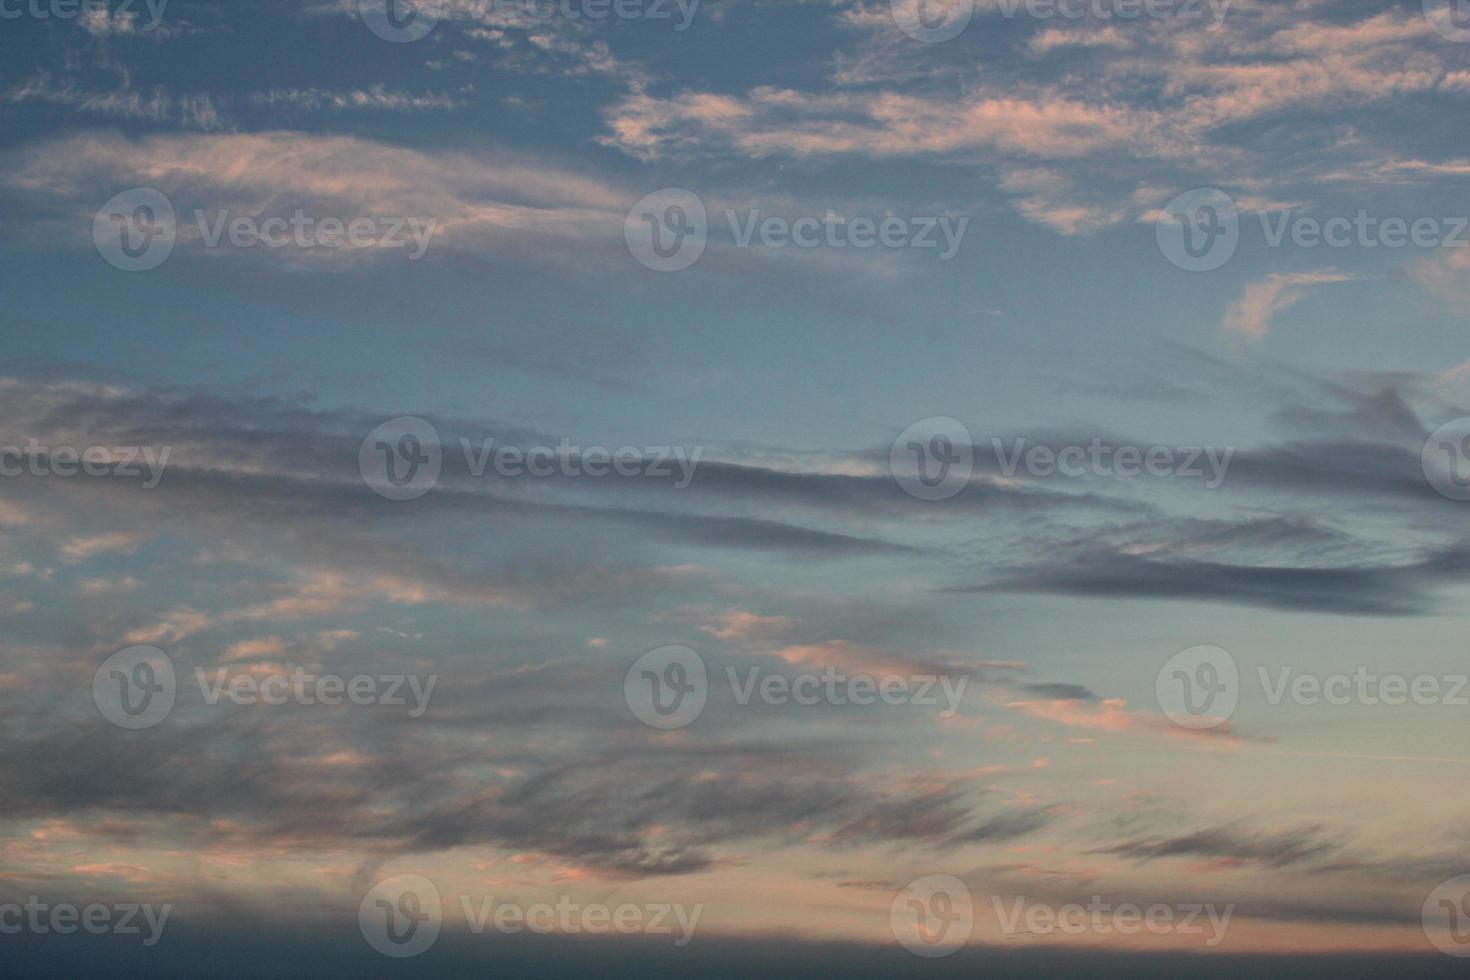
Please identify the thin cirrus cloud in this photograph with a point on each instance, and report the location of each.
(483, 201)
(793, 551)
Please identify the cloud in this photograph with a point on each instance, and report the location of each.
(503, 205)
(1112, 715)
(1231, 842)
(375, 97)
(1251, 315)
(199, 110)
(1445, 276)
(770, 121)
(1401, 589)
(82, 548)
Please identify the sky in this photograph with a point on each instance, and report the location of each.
(896, 486)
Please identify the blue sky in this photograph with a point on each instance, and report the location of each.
(523, 144)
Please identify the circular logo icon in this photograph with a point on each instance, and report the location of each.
(401, 916)
(400, 21)
(1199, 687)
(1449, 18)
(135, 231)
(666, 688)
(667, 230)
(401, 458)
(932, 21)
(1199, 230)
(933, 458)
(1446, 916)
(1446, 459)
(135, 688)
(933, 915)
